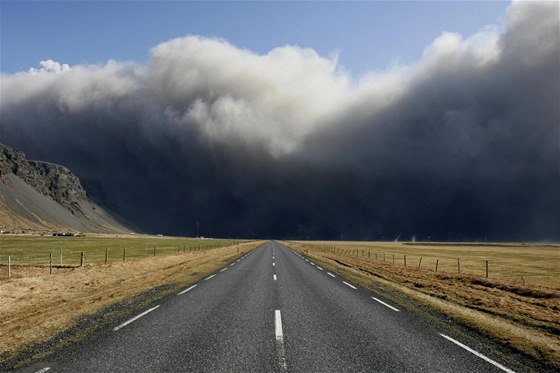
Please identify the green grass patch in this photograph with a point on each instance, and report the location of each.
(35, 250)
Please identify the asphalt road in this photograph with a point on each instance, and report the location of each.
(271, 311)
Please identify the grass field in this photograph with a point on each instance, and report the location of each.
(517, 305)
(519, 263)
(35, 250)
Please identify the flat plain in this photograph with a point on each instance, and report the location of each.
(35, 250)
(534, 264)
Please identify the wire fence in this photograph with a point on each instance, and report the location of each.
(527, 266)
(86, 253)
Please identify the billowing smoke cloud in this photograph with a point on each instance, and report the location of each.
(212, 139)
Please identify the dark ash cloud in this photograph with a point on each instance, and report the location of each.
(463, 145)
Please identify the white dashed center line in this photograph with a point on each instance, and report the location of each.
(330, 274)
(352, 286)
(278, 325)
(209, 277)
(273, 264)
(274, 277)
(385, 304)
(184, 291)
(43, 370)
(498, 365)
(280, 340)
(135, 318)
(319, 268)
(223, 269)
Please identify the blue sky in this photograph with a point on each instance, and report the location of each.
(368, 35)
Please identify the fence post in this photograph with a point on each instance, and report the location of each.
(82, 259)
(458, 266)
(383, 256)
(106, 255)
(405, 260)
(50, 263)
(486, 268)
(437, 262)
(9, 267)
(124, 254)
(420, 263)
(61, 256)
(393, 258)
(154, 251)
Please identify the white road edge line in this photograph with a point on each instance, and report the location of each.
(184, 291)
(273, 264)
(498, 365)
(385, 304)
(274, 277)
(319, 268)
(43, 370)
(223, 269)
(330, 274)
(232, 264)
(209, 277)
(134, 318)
(352, 286)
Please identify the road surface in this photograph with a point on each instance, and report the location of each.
(272, 310)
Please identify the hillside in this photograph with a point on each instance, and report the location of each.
(42, 197)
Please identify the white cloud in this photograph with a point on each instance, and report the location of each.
(50, 66)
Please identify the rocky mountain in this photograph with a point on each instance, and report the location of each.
(41, 196)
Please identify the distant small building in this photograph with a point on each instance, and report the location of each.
(64, 234)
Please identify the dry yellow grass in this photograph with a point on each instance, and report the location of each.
(519, 263)
(523, 316)
(35, 306)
